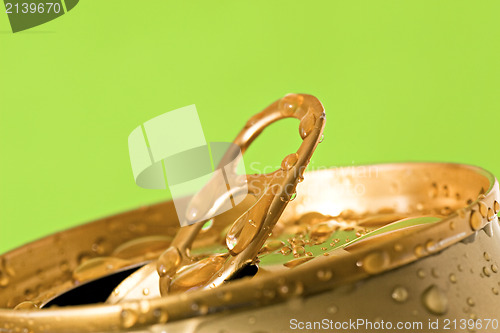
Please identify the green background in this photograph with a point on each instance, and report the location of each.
(400, 80)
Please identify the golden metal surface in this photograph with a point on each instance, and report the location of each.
(461, 202)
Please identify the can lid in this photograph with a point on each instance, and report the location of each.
(364, 233)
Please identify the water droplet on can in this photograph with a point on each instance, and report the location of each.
(324, 274)
(419, 251)
(289, 104)
(128, 318)
(435, 300)
(490, 214)
(161, 315)
(332, 309)
(289, 161)
(399, 294)
(307, 124)
(476, 220)
(285, 250)
(298, 251)
(168, 262)
(421, 273)
(375, 262)
(483, 209)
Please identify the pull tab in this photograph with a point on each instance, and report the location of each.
(249, 232)
(274, 190)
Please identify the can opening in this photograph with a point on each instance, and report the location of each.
(95, 291)
(247, 271)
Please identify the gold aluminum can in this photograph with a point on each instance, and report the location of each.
(441, 270)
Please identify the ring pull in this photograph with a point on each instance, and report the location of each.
(274, 190)
(176, 269)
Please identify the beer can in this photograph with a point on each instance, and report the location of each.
(384, 247)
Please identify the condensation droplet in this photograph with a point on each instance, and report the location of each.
(203, 309)
(421, 273)
(470, 301)
(490, 214)
(332, 309)
(324, 274)
(419, 250)
(320, 232)
(476, 220)
(289, 161)
(272, 245)
(285, 250)
(298, 251)
(483, 209)
(435, 300)
(398, 247)
(299, 288)
(289, 104)
(128, 318)
(283, 289)
(399, 294)
(375, 262)
(168, 262)
(452, 225)
(142, 246)
(4, 279)
(196, 274)
(430, 245)
(161, 315)
(453, 278)
(285, 198)
(433, 191)
(307, 124)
